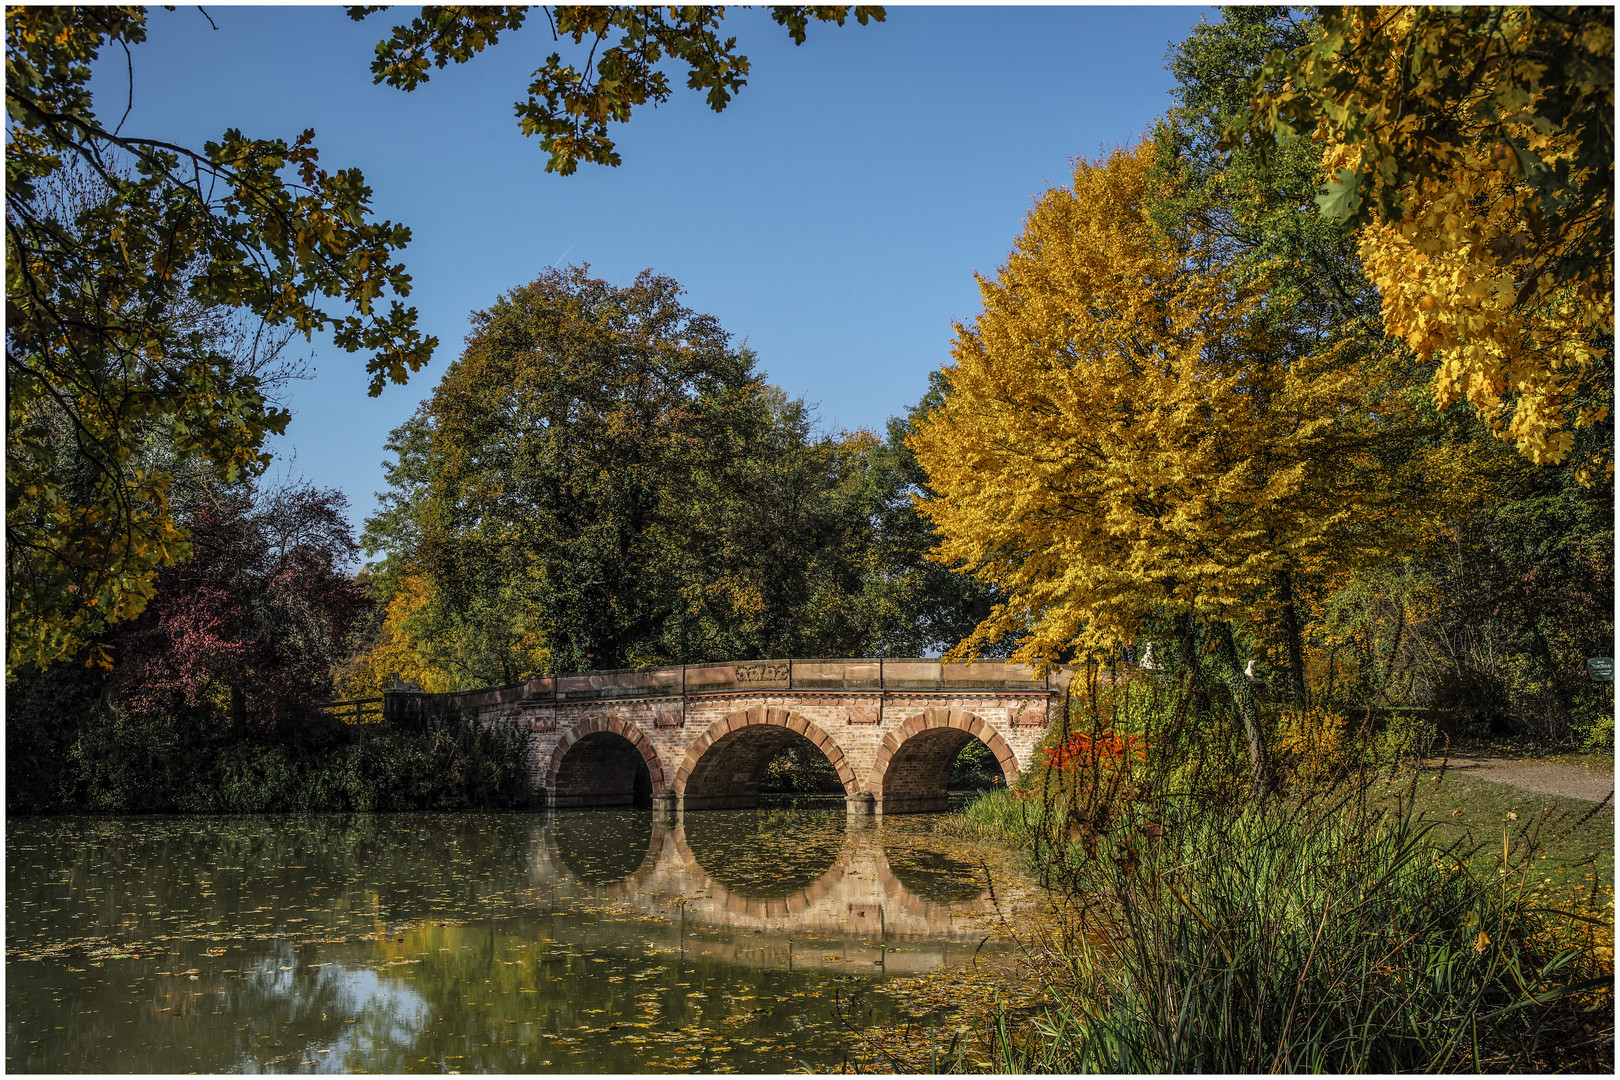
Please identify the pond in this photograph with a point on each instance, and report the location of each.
(594, 940)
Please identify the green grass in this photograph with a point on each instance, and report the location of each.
(1573, 840)
(996, 815)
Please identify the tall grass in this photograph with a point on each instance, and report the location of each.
(1203, 930)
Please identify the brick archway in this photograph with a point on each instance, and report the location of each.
(908, 774)
(606, 725)
(729, 744)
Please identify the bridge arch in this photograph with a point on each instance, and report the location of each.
(913, 761)
(595, 764)
(722, 766)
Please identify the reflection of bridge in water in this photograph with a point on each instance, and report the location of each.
(860, 884)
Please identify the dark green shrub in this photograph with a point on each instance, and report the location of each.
(112, 762)
(800, 769)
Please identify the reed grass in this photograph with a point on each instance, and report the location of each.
(1326, 928)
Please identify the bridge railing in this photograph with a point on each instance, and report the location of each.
(683, 680)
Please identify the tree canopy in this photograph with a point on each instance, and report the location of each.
(602, 480)
(1133, 435)
(124, 255)
(569, 107)
(1474, 147)
(100, 363)
(1123, 434)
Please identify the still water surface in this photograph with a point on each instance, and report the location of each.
(576, 941)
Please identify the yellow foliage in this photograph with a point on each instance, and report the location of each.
(396, 650)
(1316, 736)
(1123, 435)
(1450, 286)
(1476, 147)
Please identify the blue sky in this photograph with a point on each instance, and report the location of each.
(833, 216)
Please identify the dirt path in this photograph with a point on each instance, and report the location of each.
(1591, 783)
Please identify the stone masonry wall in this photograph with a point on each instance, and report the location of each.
(859, 731)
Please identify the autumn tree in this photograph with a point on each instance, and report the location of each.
(1474, 148)
(1258, 208)
(244, 631)
(114, 293)
(1126, 437)
(571, 102)
(242, 227)
(235, 644)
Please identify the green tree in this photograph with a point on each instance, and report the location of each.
(917, 607)
(96, 360)
(602, 480)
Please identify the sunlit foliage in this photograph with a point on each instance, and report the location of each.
(603, 480)
(116, 288)
(1122, 439)
(1476, 146)
(570, 107)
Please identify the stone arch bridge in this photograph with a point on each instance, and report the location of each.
(699, 736)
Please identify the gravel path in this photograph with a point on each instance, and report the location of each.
(1586, 782)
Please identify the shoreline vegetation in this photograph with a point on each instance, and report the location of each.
(1366, 917)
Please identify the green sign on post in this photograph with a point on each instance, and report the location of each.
(1601, 668)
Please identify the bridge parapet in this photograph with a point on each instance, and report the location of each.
(729, 677)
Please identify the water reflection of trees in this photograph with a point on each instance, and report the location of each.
(148, 874)
(345, 1016)
(932, 874)
(262, 942)
(599, 848)
(765, 854)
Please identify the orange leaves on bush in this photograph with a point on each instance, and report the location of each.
(1105, 751)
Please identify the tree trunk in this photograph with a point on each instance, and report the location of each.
(1187, 636)
(1292, 631)
(1243, 697)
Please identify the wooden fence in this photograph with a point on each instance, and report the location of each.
(358, 711)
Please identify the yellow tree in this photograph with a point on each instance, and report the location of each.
(1126, 438)
(1475, 145)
